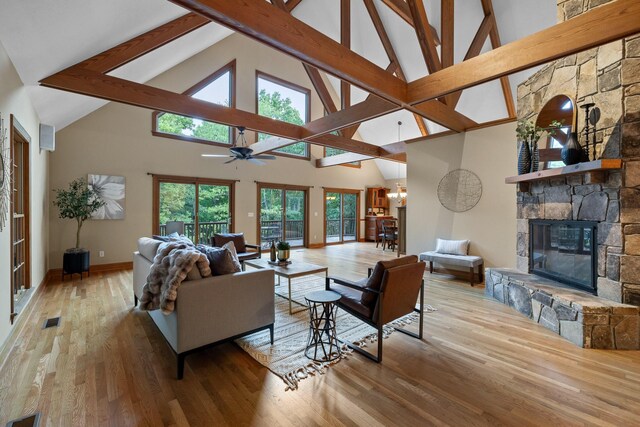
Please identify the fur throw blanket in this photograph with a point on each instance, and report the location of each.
(172, 263)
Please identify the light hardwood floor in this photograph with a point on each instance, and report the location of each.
(479, 363)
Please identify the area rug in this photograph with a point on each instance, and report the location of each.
(285, 357)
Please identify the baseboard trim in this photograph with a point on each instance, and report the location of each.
(99, 268)
(315, 245)
(20, 323)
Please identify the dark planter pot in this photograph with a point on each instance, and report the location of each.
(75, 261)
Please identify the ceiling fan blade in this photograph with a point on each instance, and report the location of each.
(229, 161)
(256, 161)
(264, 157)
(216, 155)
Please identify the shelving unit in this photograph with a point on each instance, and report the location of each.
(595, 170)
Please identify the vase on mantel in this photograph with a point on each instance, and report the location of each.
(535, 156)
(572, 153)
(524, 158)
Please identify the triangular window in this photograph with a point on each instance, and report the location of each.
(218, 88)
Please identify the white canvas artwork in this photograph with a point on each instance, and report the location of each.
(110, 189)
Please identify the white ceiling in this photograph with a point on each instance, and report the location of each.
(42, 37)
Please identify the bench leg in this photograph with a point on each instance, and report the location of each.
(471, 270)
(431, 267)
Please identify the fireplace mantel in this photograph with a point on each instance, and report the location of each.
(594, 167)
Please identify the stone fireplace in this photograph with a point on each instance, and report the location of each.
(608, 76)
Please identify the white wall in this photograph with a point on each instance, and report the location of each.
(117, 140)
(14, 100)
(491, 225)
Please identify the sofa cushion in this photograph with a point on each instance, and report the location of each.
(375, 280)
(148, 247)
(230, 246)
(452, 247)
(237, 238)
(458, 260)
(221, 260)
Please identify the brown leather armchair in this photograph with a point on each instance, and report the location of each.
(390, 292)
(242, 247)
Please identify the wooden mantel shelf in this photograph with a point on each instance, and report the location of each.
(592, 168)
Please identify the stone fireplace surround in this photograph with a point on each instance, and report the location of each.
(608, 75)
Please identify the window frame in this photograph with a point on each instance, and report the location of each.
(158, 179)
(231, 68)
(356, 165)
(292, 86)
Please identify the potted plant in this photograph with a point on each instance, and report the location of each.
(284, 249)
(528, 135)
(78, 202)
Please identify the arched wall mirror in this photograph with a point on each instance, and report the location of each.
(563, 109)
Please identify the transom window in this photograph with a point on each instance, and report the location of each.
(283, 101)
(218, 88)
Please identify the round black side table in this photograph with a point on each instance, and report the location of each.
(322, 345)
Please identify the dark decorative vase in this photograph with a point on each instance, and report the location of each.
(572, 153)
(535, 156)
(524, 158)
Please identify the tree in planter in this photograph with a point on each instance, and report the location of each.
(77, 202)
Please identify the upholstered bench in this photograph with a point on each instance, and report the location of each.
(468, 261)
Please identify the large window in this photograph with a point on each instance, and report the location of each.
(283, 101)
(218, 88)
(195, 207)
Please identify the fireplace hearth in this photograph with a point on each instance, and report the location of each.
(565, 251)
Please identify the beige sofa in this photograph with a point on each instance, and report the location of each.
(211, 310)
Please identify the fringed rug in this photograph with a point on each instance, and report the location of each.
(285, 357)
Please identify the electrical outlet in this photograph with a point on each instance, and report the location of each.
(315, 236)
(101, 254)
(250, 214)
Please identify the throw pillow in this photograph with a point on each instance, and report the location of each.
(148, 247)
(230, 246)
(221, 261)
(452, 247)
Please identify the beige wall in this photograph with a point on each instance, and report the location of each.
(491, 225)
(14, 100)
(117, 140)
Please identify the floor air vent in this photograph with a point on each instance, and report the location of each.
(28, 421)
(51, 323)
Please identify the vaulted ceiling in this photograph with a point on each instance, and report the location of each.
(44, 38)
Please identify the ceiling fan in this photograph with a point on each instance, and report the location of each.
(242, 152)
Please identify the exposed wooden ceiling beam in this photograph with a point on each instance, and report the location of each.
(341, 159)
(425, 37)
(278, 29)
(606, 23)
(368, 109)
(320, 88)
(401, 9)
(487, 7)
(474, 50)
(442, 114)
(91, 83)
(126, 52)
(391, 54)
(292, 4)
(345, 40)
(447, 30)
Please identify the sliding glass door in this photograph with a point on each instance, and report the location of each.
(342, 210)
(283, 214)
(195, 207)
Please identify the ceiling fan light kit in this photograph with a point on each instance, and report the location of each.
(242, 152)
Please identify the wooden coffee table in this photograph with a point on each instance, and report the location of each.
(291, 271)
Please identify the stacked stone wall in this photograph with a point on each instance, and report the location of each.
(609, 76)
